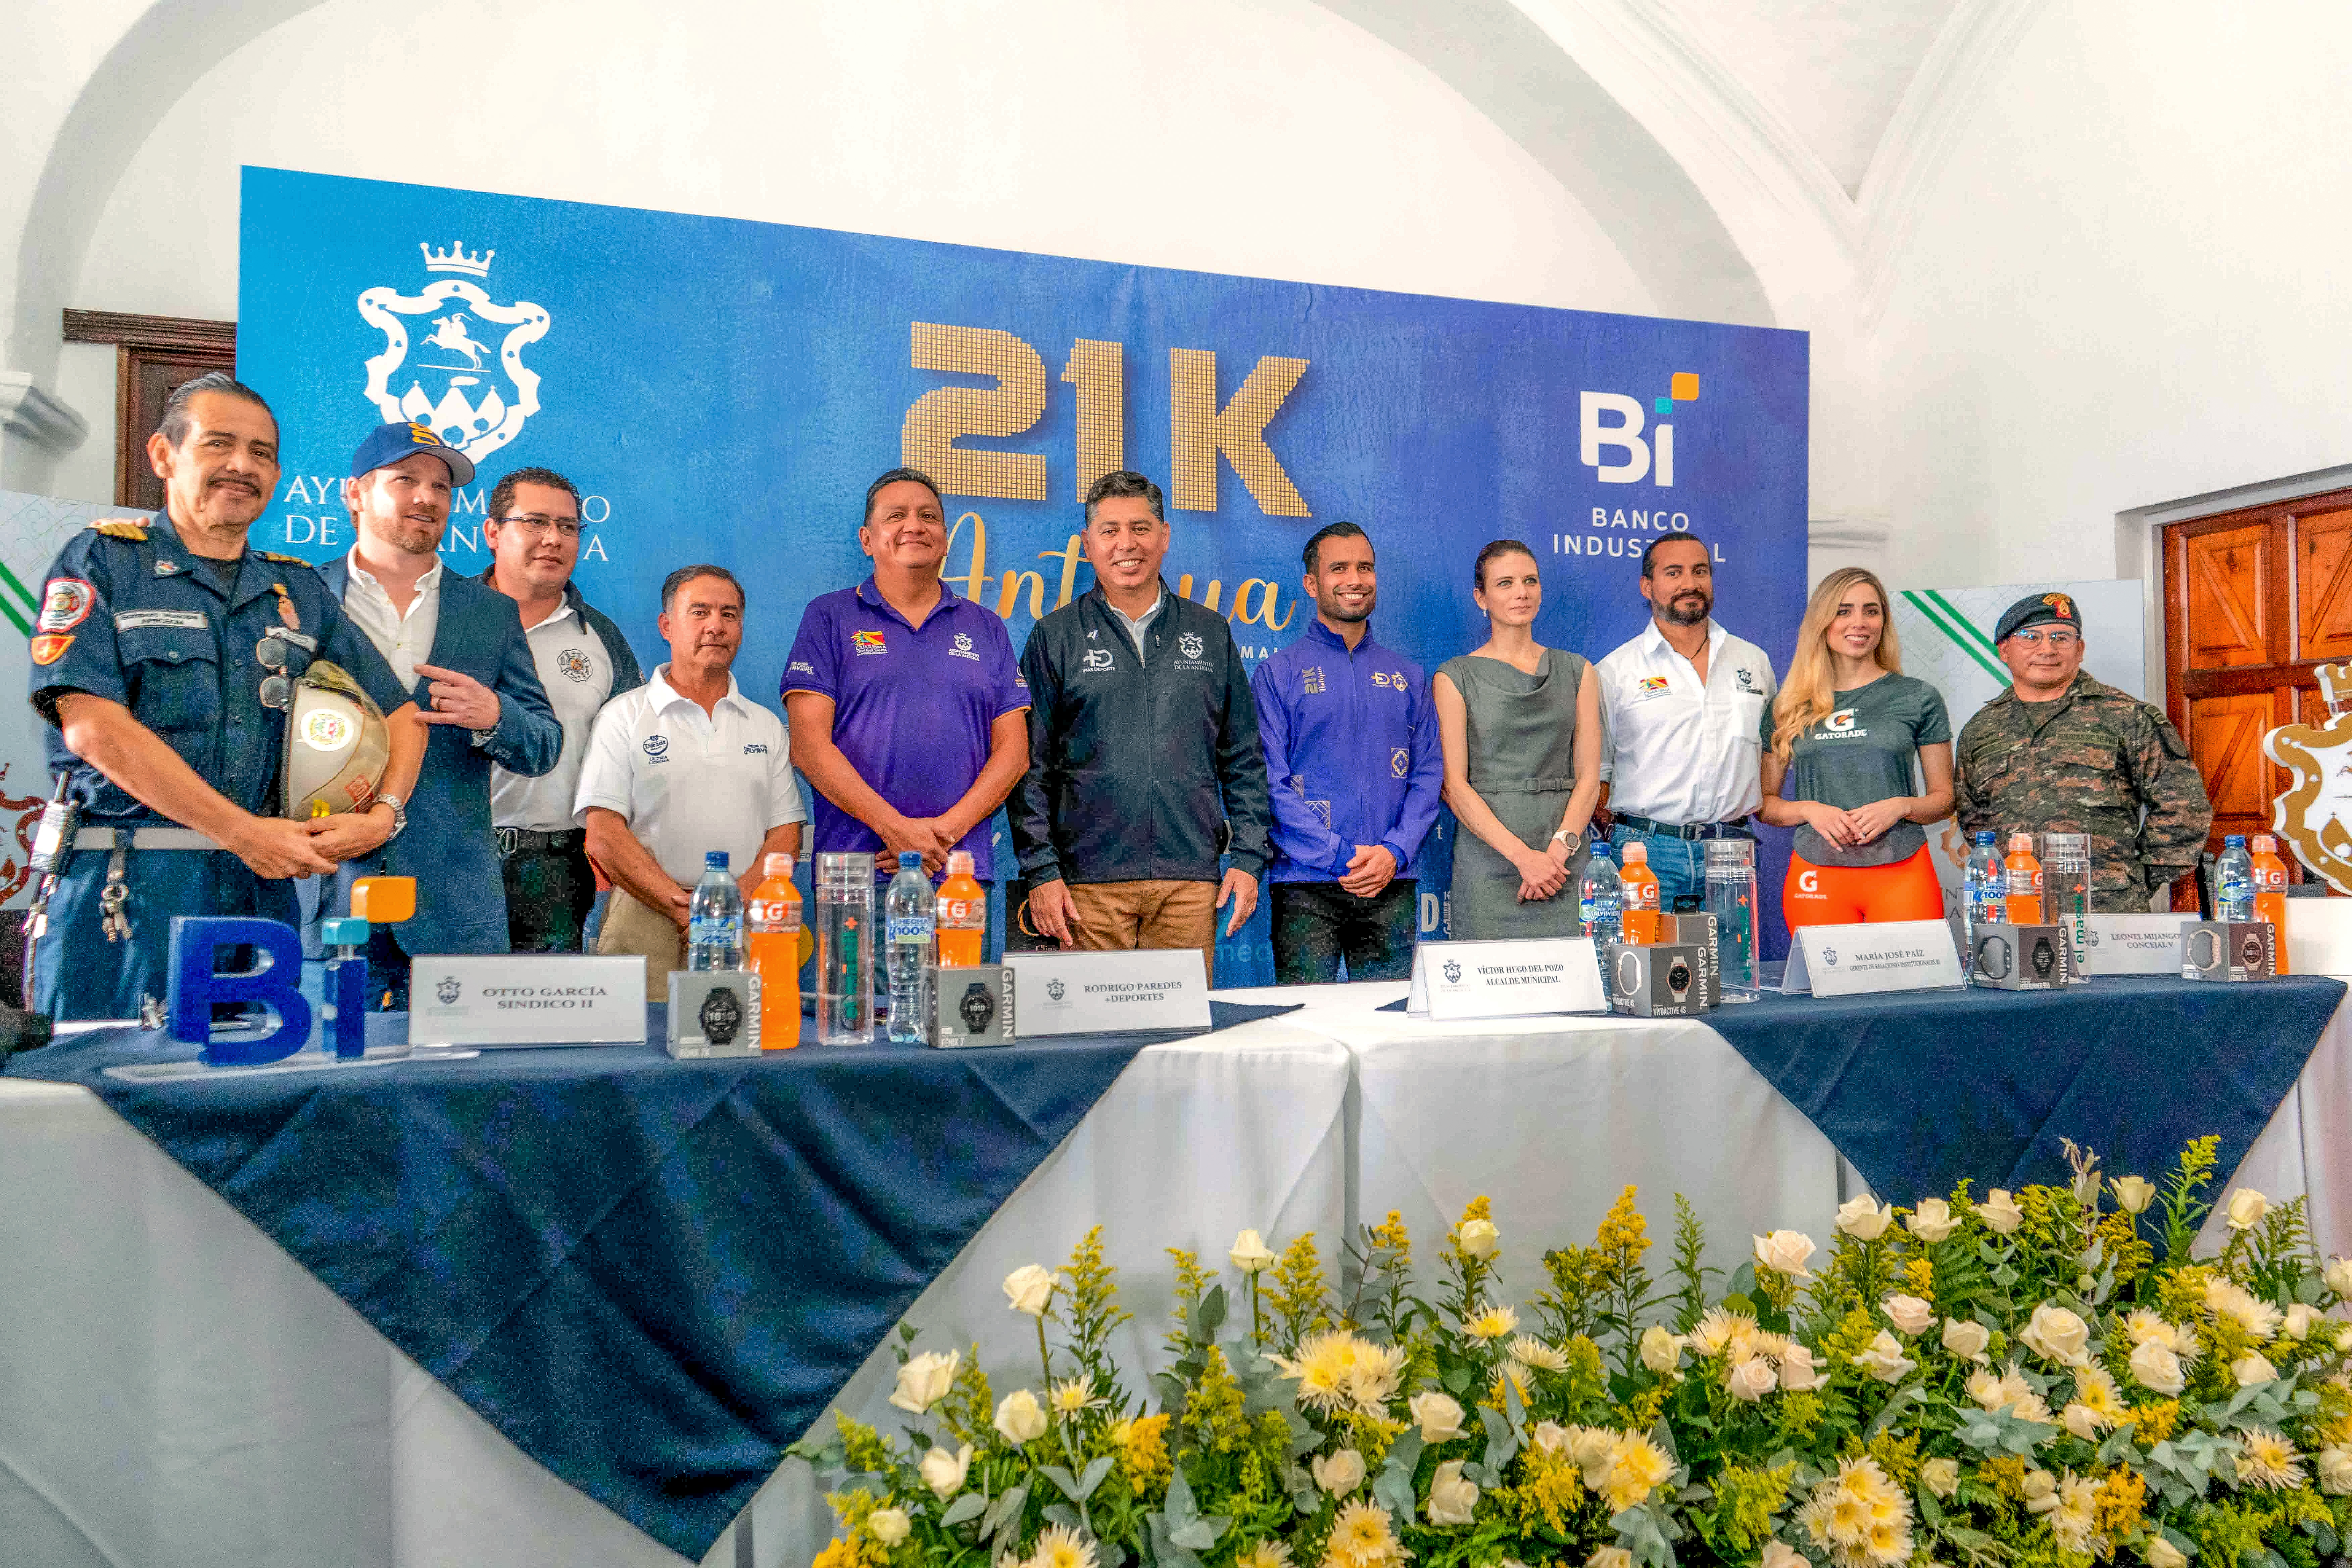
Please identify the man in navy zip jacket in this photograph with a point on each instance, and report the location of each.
(1144, 760)
(1351, 749)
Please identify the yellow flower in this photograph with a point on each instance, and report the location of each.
(1142, 1445)
(2234, 1303)
(1062, 1547)
(1073, 1395)
(1265, 1555)
(1338, 1368)
(840, 1554)
(1493, 1323)
(1719, 1331)
(1636, 1467)
(1361, 1538)
(2268, 1461)
(1536, 1357)
(1860, 1516)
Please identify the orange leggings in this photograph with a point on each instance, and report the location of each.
(1850, 895)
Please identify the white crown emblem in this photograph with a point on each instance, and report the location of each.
(454, 259)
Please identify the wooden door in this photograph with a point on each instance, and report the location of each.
(154, 356)
(2254, 602)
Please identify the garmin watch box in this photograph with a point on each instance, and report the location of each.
(2021, 958)
(713, 1012)
(1664, 980)
(2228, 950)
(971, 1006)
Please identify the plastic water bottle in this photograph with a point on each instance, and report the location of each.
(1985, 885)
(2269, 891)
(910, 920)
(1731, 899)
(2234, 881)
(714, 918)
(773, 945)
(844, 947)
(1600, 898)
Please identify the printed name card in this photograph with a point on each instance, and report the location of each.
(1505, 979)
(1108, 993)
(2133, 944)
(1884, 955)
(527, 999)
(2318, 937)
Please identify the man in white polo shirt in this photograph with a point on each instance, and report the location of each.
(534, 532)
(1684, 702)
(683, 765)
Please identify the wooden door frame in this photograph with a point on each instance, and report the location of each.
(139, 342)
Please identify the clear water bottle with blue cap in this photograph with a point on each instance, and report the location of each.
(714, 918)
(910, 915)
(1601, 898)
(2233, 880)
(1985, 885)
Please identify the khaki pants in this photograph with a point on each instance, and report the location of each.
(1118, 917)
(630, 926)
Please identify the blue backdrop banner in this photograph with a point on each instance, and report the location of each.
(724, 390)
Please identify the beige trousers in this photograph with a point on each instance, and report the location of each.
(1120, 917)
(630, 926)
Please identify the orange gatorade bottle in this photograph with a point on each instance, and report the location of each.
(961, 922)
(2269, 891)
(2025, 881)
(771, 944)
(1639, 897)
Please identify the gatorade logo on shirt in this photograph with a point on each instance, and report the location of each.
(1839, 726)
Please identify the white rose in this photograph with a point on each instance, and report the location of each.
(1339, 1473)
(1798, 1373)
(1661, 1352)
(1439, 1416)
(1862, 1217)
(1018, 1418)
(2040, 1490)
(1933, 1220)
(1910, 1314)
(2338, 1274)
(1451, 1499)
(1785, 1252)
(1941, 1477)
(943, 1472)
(1965, 1338)
(2056, 1334)
(2334, 1468)
(1029, 1289)
(1750, 1380)
(2081, 1420)
(2000, 1212)
(2133, 1194)
(2251, 1368)
(925, 1380)
(2162, 1553)
(1480, 1239)
(1249, 1253)
(1883, 1359)
(1610, 1557)
(2246, 1208)
(2156, 1368)
(2296, 1324)
(1778, 1554)
(1549, 1436)
(889, 1525)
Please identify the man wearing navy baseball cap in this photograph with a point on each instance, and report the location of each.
(458, 645)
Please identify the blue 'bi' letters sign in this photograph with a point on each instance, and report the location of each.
(724, 390)
(272, 982)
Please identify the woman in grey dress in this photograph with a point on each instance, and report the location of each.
(1520, 724)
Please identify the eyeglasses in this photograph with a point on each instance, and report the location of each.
(2055, 640)
(533, 523)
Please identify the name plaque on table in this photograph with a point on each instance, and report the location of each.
(1862, 959)
(1505, 979)
(527, 999)
(2316, 938)
(1108, 993)
(2132, 945)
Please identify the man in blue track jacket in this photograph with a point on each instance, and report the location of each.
(1352, 754)
(1144, 760)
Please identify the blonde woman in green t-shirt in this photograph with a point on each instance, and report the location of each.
(1857, 756)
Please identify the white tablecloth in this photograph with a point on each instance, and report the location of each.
(176, 1390)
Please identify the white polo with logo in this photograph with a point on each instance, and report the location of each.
(1678, 750)
(688, 781)
(577, 673)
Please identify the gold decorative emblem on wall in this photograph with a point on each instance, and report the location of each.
(2314, 815)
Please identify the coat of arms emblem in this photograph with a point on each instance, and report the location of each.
(1191, 644)
(449, 990)
(474, 395)
(2315, 814)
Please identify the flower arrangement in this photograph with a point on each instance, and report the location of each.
(2044, 1378)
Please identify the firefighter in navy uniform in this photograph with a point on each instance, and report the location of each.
(148, 662)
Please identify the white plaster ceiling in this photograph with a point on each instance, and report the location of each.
(1833, 70)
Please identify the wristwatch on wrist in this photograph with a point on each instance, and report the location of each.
(399, 814)
(1565, 837)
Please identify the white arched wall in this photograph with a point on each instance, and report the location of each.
(1283, 140)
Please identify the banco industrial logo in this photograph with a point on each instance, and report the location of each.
(475, 394)
(1611, 430)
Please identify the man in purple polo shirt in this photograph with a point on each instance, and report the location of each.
(1352, 752)
(905, 704)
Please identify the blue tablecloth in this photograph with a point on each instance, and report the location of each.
(650, 1275)
(1919, 1089)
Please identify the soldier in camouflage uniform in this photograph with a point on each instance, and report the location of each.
(2060, 752)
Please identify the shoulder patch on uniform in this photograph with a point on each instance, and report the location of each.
(122, 528)
(48, 650)
(283, 559)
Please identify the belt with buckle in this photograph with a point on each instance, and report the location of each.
(513, 841)
(1737, 828)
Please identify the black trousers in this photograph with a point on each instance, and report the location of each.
(1317, 924)
(549, 895)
